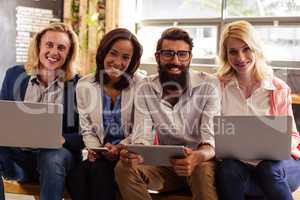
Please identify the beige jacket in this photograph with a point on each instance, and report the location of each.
(89, 103)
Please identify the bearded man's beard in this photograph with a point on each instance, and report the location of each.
(173, 81)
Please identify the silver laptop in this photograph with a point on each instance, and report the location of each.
(32, 125)
(253, 137)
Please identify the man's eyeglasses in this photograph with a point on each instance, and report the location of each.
(169, 55)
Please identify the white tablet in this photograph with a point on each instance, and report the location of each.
(158, 155)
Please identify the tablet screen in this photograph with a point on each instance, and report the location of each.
(158, 155)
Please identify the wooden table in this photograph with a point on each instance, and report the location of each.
(296, 98)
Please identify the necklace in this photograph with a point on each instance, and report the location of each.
(248, 89)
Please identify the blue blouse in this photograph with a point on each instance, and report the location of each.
(113, 130)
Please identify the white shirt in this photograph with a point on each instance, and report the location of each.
(189, 122)
(235, 103)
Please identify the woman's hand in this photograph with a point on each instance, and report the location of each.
(113, 151)
(294, 147)
(93, 155)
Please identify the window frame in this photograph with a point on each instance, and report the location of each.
(219, 23)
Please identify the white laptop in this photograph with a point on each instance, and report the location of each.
(253, 137)
(31, 125)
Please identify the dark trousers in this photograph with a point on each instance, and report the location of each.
(274, 180)
(92, 180)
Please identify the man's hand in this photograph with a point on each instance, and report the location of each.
(186, 166)
(62, 140)
(130, 159)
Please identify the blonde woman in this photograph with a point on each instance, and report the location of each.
(48, 77)
(250, 88)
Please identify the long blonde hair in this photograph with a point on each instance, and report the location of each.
(245, 32)
(34, 49)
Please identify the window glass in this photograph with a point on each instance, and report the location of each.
(204, 38)
(281, 43)
(148, 36)
(282, 40)
(179, 9)
(263, 8)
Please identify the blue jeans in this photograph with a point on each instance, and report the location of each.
(274, 180)
(49, 166)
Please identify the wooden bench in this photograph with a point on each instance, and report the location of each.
(187, 196)
(33, 189)
(296, 98)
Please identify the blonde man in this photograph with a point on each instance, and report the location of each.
(48, 77)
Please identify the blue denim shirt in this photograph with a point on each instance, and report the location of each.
(113, 130)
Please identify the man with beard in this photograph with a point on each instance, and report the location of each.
(174, 107)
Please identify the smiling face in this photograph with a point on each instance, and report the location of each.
(240, 56)
(117, 59)
(174, 65)
(54, 50)
(173, 61)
